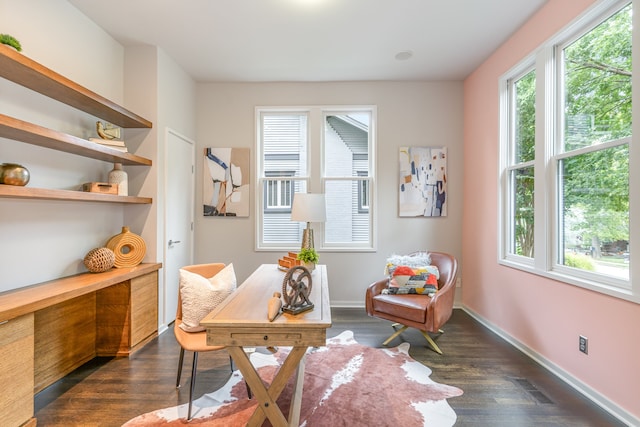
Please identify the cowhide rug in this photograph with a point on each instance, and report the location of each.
(345, 384)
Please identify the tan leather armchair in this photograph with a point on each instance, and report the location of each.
(427, 314)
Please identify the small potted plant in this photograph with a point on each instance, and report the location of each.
(10, 41)
(309, 257)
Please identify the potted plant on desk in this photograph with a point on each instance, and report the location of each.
(309, 258)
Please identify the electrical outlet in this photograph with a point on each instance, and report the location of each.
(583, 344)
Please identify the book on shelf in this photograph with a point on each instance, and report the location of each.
(123, 149)
(110, 142)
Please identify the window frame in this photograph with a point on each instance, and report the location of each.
(508, 162)
(549, 137)
(363, 192)
(281, 176)
(316, 180)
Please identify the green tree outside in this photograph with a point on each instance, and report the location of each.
(595, 185)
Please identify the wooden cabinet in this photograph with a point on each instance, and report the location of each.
(49, 329)
(16, 370)
(20, 69)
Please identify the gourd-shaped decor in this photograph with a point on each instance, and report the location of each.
(128, 247)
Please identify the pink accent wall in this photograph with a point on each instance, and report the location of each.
(545, 315)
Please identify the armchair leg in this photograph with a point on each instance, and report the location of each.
(180, 367)
(431, 342)
(395, 334)
(193, 383)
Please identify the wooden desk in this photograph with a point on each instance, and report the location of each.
(242, 321)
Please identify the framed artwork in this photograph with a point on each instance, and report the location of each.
(226, 188)
(423, 181)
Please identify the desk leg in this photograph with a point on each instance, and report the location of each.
(267, 398)
(296, 398)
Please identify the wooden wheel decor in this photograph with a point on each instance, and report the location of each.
(296, 288)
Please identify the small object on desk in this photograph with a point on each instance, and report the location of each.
(288, 261)
(296, 290)
(274, 306)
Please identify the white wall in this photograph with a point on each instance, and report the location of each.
(157, 88)
(176, 102)
(409, 114)
(44, 240)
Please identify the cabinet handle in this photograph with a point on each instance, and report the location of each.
(171, 242)
(3, 322)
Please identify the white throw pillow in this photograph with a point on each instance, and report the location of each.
(201, 295)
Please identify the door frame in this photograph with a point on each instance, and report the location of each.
(169, 131)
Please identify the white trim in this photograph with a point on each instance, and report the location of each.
(593, 395)
(506, 161)
(549, 124)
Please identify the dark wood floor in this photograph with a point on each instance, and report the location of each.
(502, 387)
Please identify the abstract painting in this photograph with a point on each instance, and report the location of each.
(226, 181)
(423, 181)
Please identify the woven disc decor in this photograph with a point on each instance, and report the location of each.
(128, 247)
(99, 260)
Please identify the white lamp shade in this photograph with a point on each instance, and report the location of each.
(308, 207)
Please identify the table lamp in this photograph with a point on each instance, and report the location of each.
(308, 207)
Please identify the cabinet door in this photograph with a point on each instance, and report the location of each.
(16, 370)
(144, 308)
(65, 337)
(126, 315)
(112, 320)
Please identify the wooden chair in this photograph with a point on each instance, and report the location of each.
(194, 341)
(427, 314)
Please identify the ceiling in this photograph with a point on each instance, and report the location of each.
(315, 40)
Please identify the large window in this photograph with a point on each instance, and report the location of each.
(316, 150)
(566, 132)
(520, 167)
(592, 157)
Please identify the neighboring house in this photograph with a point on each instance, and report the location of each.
(347, 139)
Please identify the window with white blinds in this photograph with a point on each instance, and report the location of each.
(316, 150)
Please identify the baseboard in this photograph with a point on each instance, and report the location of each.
(582, 388)
(360, 304)
(347, 304)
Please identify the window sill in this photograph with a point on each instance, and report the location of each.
(589, 284)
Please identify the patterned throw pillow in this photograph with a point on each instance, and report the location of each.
(424, 279)
(200, 295)
(414, 261)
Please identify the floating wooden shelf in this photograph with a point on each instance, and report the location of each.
(17, 192)
(30, 133)
(26, 72)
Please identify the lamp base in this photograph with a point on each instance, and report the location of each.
(307, 238)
